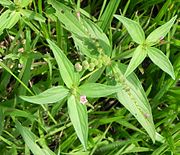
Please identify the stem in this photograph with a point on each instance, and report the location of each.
(86, 76)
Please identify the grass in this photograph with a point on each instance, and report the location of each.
(74, 79)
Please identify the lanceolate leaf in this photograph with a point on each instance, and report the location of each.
(139, 55)
(159, 33)
(97, 90)
(69, 76)
(79, 119)
(133, 97)
(161, 60)
(51, 95)
(135, 30)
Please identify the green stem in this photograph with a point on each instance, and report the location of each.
(86, 76)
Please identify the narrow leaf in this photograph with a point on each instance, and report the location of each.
(161, 60)
(107, 16)
(51, 95)
(134, 29)
(159, 33)
(97, 90)
(138, 57)
(66, 68)
(79, 118)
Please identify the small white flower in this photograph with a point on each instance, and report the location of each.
(83, 99)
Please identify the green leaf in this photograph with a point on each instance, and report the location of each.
(159, 33)
(161, 60)
(6, 3)
(139, 55)
(134, 29)
(51, 95)
(134, 99)
(32, 15)
(8, 20)
(79, 118)
(2, 116)
(68, 74)
(97, 90)
(22, 3)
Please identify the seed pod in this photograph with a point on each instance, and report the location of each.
(85, 64)
(78, 67)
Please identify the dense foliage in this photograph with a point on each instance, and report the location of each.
(89, 77)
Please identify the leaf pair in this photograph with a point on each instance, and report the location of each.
(157, 56)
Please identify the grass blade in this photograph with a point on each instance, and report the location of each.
(107, 16)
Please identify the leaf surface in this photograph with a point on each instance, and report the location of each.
(97, 90)
(137, 58)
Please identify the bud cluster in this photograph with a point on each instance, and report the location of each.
(93, 63)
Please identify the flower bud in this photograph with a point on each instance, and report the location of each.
(91, 66)
(106, 60)
(78, 67)
(94, 61)
(100, 50)
(85, 64)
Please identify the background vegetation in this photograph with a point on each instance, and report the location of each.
(71, 49)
